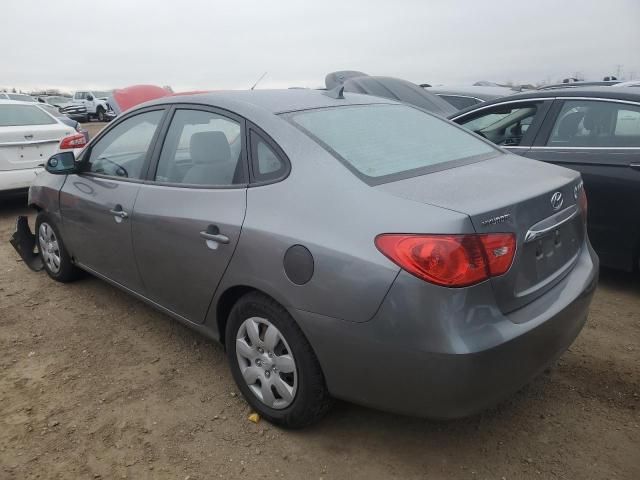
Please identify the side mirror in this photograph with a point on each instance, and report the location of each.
(90, 97)
(61, 163)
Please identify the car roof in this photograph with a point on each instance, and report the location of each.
(629, 94)
(16, 102)
(246, 102)
(477, 91)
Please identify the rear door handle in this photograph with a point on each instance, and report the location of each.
(216, 237)
(119, 213)
(635, 166)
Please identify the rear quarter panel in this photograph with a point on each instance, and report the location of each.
(324, 207)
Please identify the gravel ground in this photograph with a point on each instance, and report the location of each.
(95, 384)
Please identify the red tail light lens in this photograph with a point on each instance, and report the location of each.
(73, 141)
(582, 202)
(450, 260)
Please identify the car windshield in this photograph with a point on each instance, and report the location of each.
(383, 140)
(51, 109)
(18, 115)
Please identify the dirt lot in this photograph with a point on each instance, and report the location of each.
(95, 384)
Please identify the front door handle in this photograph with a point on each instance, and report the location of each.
(216, 237)
(635, 166)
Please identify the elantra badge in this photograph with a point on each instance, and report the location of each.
(557, 200)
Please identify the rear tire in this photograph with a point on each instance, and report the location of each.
(100, 114)
(268, 354)
(56, 259)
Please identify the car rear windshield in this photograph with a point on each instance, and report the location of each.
(381, 141)
(18, 115)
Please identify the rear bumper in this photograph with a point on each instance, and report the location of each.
(449, 354)
(17, 179)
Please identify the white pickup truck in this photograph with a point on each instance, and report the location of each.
(96, 104)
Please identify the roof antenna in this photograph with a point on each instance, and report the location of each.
(258, 81)
(336, 92)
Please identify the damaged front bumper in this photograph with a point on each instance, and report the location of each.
(24, 241)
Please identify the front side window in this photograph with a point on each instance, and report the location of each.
(79, 95)
(381, 140)
(503, 124)
(201, 148)
(12, 115)
(122, 151)
(593, 123)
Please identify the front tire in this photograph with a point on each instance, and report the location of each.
(100, 114)
(56, 259)
(273, 363)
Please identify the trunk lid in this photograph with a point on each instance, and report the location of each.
(512, 194)
(31, 145)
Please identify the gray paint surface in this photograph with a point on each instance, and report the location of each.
(460, 348)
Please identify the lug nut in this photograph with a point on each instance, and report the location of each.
(260, 350)
(258, 362)
(267, 373)
(270, 354)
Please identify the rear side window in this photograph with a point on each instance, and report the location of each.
(592, 123)
(19, 115)
(385, 140)
(267, 163)
(201, 148)
(458, 101)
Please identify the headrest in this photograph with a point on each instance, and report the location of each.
(209, 148)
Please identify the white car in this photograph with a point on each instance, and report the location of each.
(23, 97)
(28, 137)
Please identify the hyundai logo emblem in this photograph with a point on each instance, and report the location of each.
(557, 200)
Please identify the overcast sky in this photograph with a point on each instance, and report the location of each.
(212, 44)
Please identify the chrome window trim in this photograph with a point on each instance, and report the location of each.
(541, 99)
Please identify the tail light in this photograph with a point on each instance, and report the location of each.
(76, 140)
(582, 202)
(450, 260)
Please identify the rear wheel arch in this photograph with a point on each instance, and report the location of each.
(226, 302)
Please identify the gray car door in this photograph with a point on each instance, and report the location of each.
(188, 216)
(97, 204)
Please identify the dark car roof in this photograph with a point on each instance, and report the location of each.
(246, 102)
(400, 90)
(629, 94)
(480, 92)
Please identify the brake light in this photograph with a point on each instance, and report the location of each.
(450, 260)
(582, 202)
(76, 140)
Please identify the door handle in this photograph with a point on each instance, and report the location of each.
(118, 213)
(635, 166)
(216, 237)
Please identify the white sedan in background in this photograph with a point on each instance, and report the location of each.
(28, 137)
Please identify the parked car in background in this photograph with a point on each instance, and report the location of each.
(28, 137)
(96, 104)
(64, 119)
(595, 131)
(630, 83)
(580, 84)
(56, 100)
(22, 97)
(389, 87)
(339, 245)
(466, 96)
